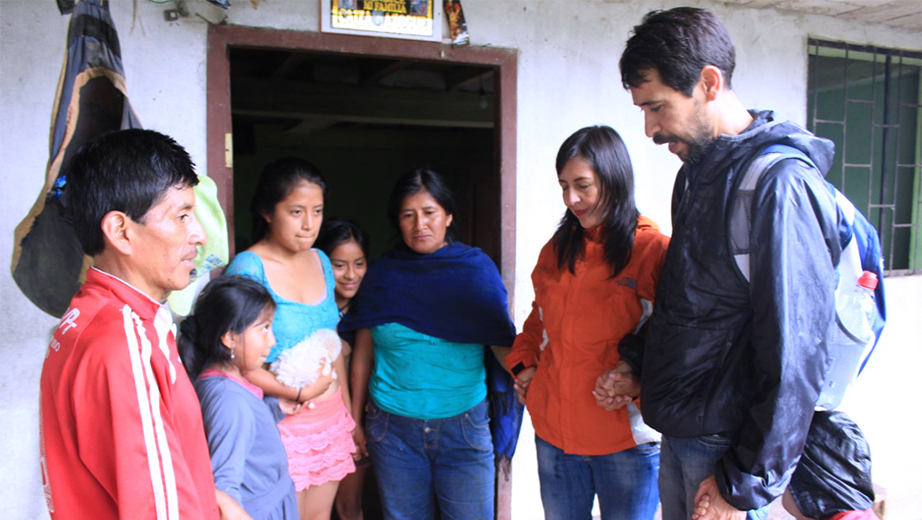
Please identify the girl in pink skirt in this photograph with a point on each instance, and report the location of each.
(306, 362)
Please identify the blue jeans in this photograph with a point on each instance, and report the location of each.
(625, 482)
(685, 463)
(417, 462)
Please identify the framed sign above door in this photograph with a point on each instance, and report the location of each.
(407, 19)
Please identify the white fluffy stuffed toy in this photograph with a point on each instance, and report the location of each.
(301, 364)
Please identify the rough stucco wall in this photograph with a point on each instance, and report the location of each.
(26, 92)
(165, 69)
(568, 78)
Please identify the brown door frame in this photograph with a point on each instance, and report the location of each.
(219, 129)
(222, 37)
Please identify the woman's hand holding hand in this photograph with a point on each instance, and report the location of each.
(361, 445)
(617, 387)
(710, 504)
(522, 381)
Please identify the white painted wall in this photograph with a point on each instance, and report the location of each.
(568, 78)
(884, 400)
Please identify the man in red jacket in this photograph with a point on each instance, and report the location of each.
(121, 428)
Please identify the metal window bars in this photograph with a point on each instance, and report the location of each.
(866, 99)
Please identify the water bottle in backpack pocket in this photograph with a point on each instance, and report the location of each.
(851, 338)
(860, 310)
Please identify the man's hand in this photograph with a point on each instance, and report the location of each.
(710, 505)
(617, 387)
(522, 381)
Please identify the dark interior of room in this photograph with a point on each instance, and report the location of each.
(365, 121)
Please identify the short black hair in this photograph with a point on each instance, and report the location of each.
(126, 170)
(226, 304)
(336, 231)
(276, 182)
(422, 179)
(677, 43)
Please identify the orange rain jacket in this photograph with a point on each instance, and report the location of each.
(572, 336)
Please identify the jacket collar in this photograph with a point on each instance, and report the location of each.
(728, 150)
(145, 306)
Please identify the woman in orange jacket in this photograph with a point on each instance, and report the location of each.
(594, 283)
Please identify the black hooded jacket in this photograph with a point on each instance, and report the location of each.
(744, 360)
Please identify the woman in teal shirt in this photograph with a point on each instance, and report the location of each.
(424, 316)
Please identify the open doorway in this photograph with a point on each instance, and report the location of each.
(365, 121)
(365, 111)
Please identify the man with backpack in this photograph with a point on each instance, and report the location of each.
(731, 368)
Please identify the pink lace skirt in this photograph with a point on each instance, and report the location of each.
(319, 442)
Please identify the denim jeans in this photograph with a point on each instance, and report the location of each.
(685, 463)
(417, 462)
(624, 481)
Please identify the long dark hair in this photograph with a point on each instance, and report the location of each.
(227, 304)
(275, 183)
(338, 231)
(603, 149)
(416, 181)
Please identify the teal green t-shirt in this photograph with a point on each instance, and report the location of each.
(424, 377)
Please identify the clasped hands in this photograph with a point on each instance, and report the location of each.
(617, 387)
(711, 505)
(522, 381)
(614, 389)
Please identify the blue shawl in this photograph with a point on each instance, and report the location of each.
(455, 294)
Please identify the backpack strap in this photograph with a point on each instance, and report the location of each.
(739, 219)
(860, 242)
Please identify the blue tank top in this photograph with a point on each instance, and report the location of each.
(294, 321)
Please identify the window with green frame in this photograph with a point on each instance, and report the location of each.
(868, 100)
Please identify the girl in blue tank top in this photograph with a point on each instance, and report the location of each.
(306, 362)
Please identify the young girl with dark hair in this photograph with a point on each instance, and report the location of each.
(229, 334)
(348, 245)
(594, 283)
(306, 364)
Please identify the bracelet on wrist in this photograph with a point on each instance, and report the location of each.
(298, 399)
